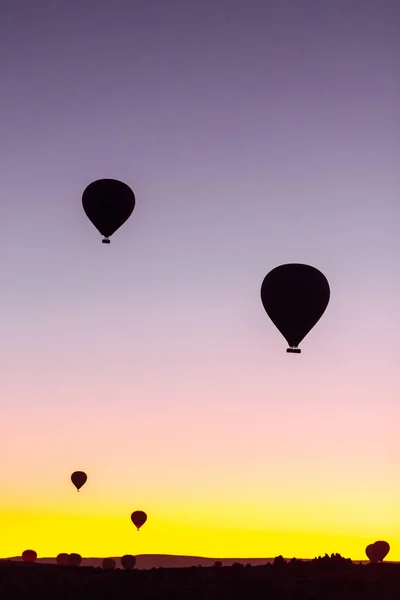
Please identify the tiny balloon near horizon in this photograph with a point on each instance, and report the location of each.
(29, 556)
(128, 562)
(109, 564)
(378, 551)
(74, 559)
(138, 518)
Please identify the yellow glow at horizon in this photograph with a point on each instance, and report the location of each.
(258, 529)
(96, 536)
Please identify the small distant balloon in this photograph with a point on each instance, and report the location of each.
(138, 518)
(295, 297)
(108, 203)
(74, 560)
(128, 562)
(371, 552)
(382, 549)
(109, 564)
(62, 559)
(79, 479)
(29, 556)
(378, 551)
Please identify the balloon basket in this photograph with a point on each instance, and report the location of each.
(105, 241)
(294, 350)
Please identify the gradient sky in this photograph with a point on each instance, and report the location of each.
(254, 133)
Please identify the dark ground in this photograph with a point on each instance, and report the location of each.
(324, 579)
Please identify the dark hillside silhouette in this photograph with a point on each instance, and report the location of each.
(326, 578)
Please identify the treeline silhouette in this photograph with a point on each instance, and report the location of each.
(324, 578)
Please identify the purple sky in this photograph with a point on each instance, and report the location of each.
(253, 133)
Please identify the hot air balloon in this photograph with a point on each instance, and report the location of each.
(295, 297)
(138, 518)
(109, 564)
(108, 203)
(128, 562)
(62, 559)
(74, 560)
(382, 549)
(79, 479)
(376, 552)
(370, 551)
(29, 556)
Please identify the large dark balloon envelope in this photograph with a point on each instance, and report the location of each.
(138, 518)
(108, 203)
(295, 297)
(79, 479)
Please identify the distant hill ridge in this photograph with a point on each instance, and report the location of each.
(169, 561)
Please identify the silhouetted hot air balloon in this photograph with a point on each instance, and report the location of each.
(371, 552)
(376, 552)
(109, 564)
(128, 562)
(382, 549)
(108, 203)
(29, 556)
(74, 560)
(295, 297)
(62, 559)
(138, 518)
(79, 479)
